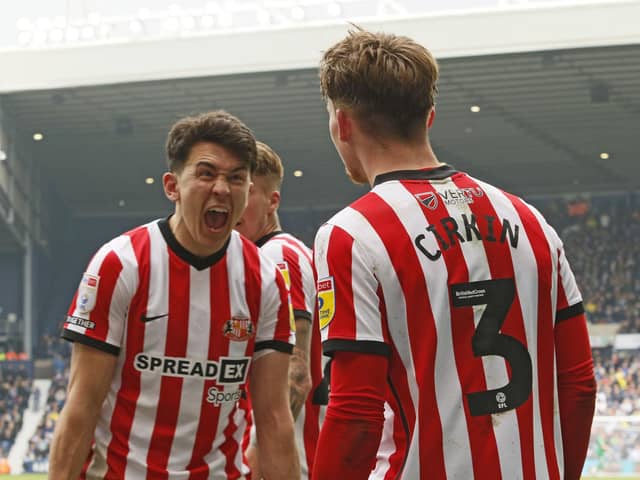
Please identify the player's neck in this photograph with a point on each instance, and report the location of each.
(272, 225)
(378, 159)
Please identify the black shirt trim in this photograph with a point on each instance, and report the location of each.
(439, 173)
(569, 312)
(274, 345)
(262, 240)
(72, 336)
(302, 314)
(357, 346)
(199, 263)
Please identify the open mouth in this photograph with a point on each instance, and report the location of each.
(216, 218)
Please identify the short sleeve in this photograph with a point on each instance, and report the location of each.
(275, 330)
(298, 274)
(349, 306)
(97, 314)
(569, 302)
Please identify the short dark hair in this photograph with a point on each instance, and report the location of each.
(388, 81)
(217, 127)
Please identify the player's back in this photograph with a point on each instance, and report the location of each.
(467, 279)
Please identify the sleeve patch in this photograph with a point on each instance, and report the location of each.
(87, 292)
(326, 301)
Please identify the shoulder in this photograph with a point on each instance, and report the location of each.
(285, 245)
(528, 214)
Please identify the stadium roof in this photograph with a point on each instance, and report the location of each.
(545, 116)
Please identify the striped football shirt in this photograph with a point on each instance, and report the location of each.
(184, 329)
(459, 284)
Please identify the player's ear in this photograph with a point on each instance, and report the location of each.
(274, 201)
(345, 125)
(431, 117)
(170, 185)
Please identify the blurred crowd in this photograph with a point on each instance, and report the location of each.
(601, 237)
(618, 377)
(37, 457)
(15, 389)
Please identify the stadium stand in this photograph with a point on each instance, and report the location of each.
(15, 389)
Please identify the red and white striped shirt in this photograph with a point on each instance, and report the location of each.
(185, 330)
(295, 261)
(460, 285)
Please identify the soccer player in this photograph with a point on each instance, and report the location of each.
(170, 321)
(261, 224)
(459, 343)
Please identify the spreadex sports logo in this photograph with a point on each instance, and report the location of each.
(228, 370)
(450, 196)
(218, 397)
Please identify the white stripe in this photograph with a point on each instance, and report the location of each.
(387, 446)
(155, 336)
(193, 394)
(456, 448)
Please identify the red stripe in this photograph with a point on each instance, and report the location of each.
(127, 397)
(501, 266)
(295, 276)
(469, 368)
(546, 318)
(171, 387)
(72, 306)
(311, 431)
(230, 448)
(343, 325)
(109, 273)
(422, 330)
(218, 346)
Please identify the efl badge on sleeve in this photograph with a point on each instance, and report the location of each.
(326, 301)
(284, 270)
(238, 329)
(87, 293)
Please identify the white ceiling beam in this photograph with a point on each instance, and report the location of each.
(452, 34)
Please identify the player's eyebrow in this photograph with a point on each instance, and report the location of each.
(205, 163)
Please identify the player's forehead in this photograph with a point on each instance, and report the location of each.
(214, 156)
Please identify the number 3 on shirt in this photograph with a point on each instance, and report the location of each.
(498, 296)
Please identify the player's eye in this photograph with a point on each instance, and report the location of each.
(237, 178)
(205, 172)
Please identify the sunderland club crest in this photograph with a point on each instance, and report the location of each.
(238, 329)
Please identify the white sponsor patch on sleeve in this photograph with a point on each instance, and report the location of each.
(87, 293)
